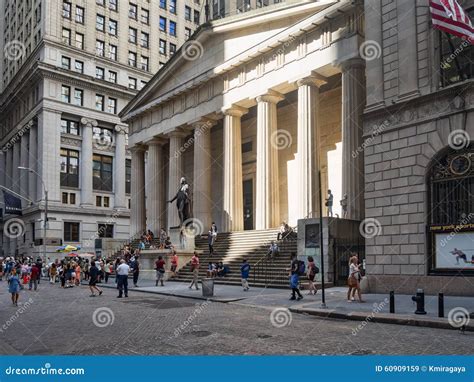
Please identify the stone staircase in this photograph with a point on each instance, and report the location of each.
(232, 247)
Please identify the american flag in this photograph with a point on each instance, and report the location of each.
(449, 17)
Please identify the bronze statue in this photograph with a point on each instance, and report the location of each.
(182, 201)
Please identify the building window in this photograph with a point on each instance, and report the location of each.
(145, 16)
(102, 172)
(105, 230)
(99, 48)
(197, 17)
(69, 127)
(66, 36)
(78, 97)
(128, 175)
(65, 198)
(162, 24)
(113, 27)
(132, 35)
(162, 47)
(144, 63)
(99, 102)
(132, 59)
(113, 77)
(145, 40)
(65, 93)
(112, 106)
(132, 11)
(106, 202)
(98, 201)
(113, 52)
(99, 73)
(65, 62)
(79, 40)
(132, 83)
(67, 10)
(172, 28)
(142, 84)
(79, 15)
(187, 13)
(71, 232)
(187, 33)
(113, 5)
(163, 4)
(172, 49)
(79, 66)
(69, 168)
(173, 6)
(72, 198)
(100, 2)
(100, 23)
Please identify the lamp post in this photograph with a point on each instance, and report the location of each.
(45, 220)
(321, 243)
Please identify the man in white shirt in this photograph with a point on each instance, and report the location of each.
(122, 278)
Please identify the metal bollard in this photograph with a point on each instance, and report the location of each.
(440, 305)
(392, 301)
(420, 301)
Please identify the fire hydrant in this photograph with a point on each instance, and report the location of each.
(420, 301)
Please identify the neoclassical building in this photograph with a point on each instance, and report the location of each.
(248, 114)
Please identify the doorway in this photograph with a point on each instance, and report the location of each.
(248, 204)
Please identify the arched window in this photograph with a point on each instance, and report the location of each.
(451, 210)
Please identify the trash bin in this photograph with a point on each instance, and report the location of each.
(207, 287)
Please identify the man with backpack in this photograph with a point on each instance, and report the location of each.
(298, 269)
(195, 270)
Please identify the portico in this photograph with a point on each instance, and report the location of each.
(252, 120)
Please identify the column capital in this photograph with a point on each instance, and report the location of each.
(314, 79)
(178, 133)
(270, 96)
(355, 62)
(203, 122)
(121, 129)
(156, 141)
(89, 122)
(138, 148)
(235, 111)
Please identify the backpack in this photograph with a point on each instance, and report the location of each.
(301, 268)
(314, 270)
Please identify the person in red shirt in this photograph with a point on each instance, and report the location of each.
(160, 270)
(195, 270)
(174, 263)
(34, 276)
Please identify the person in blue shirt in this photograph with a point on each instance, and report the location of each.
(14, 286)
(245, 271)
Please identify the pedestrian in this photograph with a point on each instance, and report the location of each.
(163, 236)
(94, 273)
(195, 270)
(14, 286)
(1, 269)
(344, 206)
(297, 268)
(109, 268)
(244, 272)
(273, 251)
(353, 280)
(135, 265)
(174, 263)
(329, 202)
(122, 276)
(116, 265)
(39, 264)
(311, 273)
(77, 272)
(53, 271)
(160, 270)
(34, 276)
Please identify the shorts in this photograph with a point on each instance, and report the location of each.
(173, 268)
(92, 282)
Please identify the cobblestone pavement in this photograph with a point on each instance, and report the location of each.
(68, 321)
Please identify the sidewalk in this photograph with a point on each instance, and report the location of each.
(375, 309)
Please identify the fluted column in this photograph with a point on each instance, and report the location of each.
(175, 169)
(32, 163)
(15, 170)
(308, 145)
(137, 203)
(268, 185)
(9, 168)
(86, 162)
(120, 201)
(202, 171)
(353, 102)
(156, 174)
(24, 175)
(233, 203)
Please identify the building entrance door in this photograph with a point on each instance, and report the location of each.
(248, 204)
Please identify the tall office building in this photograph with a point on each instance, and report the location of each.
(68, 68)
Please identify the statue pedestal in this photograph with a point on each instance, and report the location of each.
(181, 242)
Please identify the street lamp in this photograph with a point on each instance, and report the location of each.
(45, 221)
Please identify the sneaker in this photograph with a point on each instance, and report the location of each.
(100, 293)
(119, 296)
(92, 295)
(292, 298)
